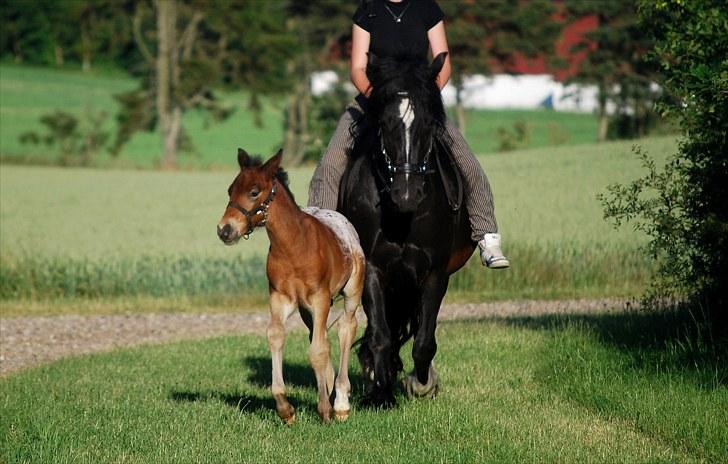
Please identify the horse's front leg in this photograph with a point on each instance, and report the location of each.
(423, 381)
(375, 353)
(281, 307)
(319, 354)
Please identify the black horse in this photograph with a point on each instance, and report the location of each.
(402, 193)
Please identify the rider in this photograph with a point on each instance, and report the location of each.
(386, 27)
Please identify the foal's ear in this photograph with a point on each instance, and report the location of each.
(243, 158)
(437, 64)
(271, 166)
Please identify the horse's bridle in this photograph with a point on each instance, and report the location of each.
(260, 209)
(422, 168)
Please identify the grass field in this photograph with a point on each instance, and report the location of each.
(85, 233)
(27, 93)
(546, 389)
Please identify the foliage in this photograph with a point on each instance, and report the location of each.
(326, 110)
(76, 143)
(511, 29)
(614, 62)
(519, 137)
(683, 208)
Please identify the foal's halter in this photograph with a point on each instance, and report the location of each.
(260, 209)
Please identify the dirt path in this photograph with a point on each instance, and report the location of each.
(30, 341)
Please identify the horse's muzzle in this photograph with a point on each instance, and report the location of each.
(227, 234)
(407, 195)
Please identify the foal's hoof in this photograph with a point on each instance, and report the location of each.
(325, 417)
(415, 389)
(287, 414)
(290, 420)
(341, 416)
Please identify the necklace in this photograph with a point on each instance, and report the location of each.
(397, 18)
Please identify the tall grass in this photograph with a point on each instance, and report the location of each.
(90, 234)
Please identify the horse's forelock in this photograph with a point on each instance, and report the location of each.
(391, 76)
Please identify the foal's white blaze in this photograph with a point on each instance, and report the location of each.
(407, 115)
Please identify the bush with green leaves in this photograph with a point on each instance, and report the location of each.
(77, 142)
(684, 207)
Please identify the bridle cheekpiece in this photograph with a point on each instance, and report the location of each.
(260, 209)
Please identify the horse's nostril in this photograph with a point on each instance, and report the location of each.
(224, 231)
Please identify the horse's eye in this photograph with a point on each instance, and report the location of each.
(255, 192)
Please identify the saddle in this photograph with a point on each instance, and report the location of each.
(454, 193)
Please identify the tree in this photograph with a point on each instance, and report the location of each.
(319, 27)
(683, 208)
(615, 64)
(486, 35)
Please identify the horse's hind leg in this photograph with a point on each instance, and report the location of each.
(320, 355)
(281, 308)
(347, 332)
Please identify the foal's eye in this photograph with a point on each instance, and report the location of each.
(255, 192)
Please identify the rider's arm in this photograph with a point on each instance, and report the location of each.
(359, 48)
(438, 44)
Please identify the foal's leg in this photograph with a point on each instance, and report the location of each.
(347, 332)
(320, 354)
(424, 382)
(280, 308)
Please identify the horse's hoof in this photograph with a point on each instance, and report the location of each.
(325, 417)
(341, 416)
(379, 400)
(415, 389)
(290, 420)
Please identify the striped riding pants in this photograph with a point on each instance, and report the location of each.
(324, 188)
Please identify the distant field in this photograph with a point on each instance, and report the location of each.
(27, 93)
(89, 233)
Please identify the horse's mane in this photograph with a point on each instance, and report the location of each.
(402, 73)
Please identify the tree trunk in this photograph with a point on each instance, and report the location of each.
(459, 110)
(58, 51)
(166, 24)
(289, 146)
(603, 125)
(85, 51)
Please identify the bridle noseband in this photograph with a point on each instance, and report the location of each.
(260, 209)
(422, 168)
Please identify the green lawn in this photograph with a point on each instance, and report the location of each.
(27, 93)
(87, 233)
(546, 389)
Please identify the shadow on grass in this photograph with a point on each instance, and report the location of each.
(258, 374)
(653, 340)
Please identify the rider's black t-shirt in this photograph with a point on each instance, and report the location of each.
(389, 37)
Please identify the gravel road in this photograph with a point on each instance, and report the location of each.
(30, 341)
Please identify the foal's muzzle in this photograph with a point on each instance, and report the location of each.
(227, 234)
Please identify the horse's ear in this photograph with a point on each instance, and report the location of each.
(437, 64)
(243, 158)
(271, 166)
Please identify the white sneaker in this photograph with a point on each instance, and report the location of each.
(490, 252)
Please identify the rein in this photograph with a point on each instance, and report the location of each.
(260, 209)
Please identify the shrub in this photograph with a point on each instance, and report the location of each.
(684, 207)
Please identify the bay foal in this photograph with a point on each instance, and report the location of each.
(314, 255)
